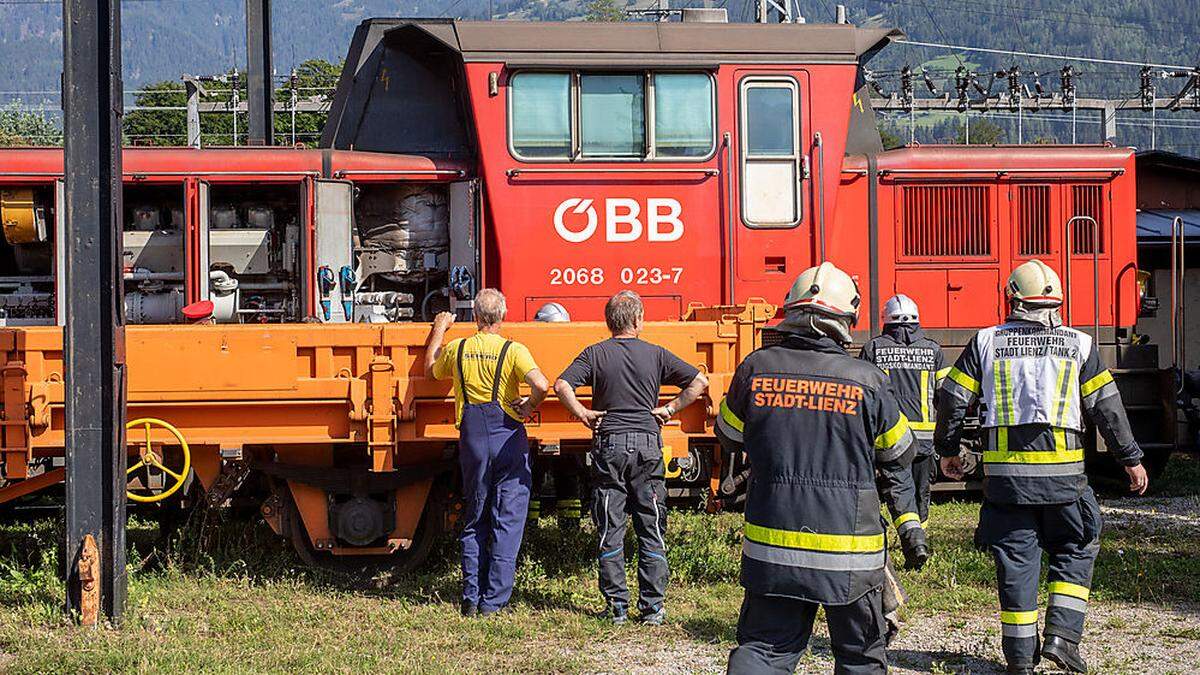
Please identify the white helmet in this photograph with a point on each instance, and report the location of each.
(1034, 284)
(552, 312)
(901, 309)
(827, 290)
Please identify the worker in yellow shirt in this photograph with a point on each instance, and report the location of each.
(493, 449)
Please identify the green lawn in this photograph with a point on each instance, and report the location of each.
(246, 604)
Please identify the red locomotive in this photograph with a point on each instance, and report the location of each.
(702, 164)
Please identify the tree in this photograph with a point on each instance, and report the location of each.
(890, 138)
(983, 132)
(163, 120)
(604, 10)
(23, 127)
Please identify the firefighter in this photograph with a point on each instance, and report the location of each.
(1035, 380)
(914, 363)
(816, 424)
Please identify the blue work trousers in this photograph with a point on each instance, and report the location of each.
(493, 453)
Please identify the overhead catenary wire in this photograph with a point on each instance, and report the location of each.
(1041, 55)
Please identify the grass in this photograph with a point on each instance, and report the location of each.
(245, 603)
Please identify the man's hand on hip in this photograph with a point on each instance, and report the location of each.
(591, 418)
(663, 414)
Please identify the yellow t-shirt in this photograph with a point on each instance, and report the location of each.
(482, 350)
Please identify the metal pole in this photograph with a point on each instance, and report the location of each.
(258, 72)
(94, 335)
(193, 111)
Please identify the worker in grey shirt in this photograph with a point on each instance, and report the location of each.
(625, 374)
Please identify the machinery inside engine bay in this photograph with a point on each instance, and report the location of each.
(382, 253)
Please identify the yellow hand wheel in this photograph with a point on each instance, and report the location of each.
(667, 472)
(153, 461)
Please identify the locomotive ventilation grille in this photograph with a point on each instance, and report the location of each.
(947, 221)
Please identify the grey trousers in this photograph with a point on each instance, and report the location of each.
(627, 478)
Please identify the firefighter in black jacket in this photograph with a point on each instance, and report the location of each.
(815, 424)
(914, 363)
(1035, 380)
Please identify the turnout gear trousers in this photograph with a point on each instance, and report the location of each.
(1016, 535)
(815, 424)
(1035, 384)
(627, 475)
(773, 633)
(493, 453)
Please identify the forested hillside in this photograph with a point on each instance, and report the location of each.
(165, 38)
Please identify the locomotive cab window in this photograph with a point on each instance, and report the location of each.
(607, 116)
(541, 115)
(771, 159)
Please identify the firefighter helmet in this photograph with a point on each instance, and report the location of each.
(901, 309)
(1035, 284)
(825, 289)
(552, 312)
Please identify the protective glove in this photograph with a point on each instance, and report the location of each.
(915, 547)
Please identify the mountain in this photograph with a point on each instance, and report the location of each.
(166, 38)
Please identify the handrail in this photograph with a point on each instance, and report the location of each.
(730, 267)
(399, 172)
(1095, 270)
(1178, 269)
(514, 172)
(1118, 171)
(820, 145)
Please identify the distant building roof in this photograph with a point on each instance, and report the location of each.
(1167, 159)
(1154, 225)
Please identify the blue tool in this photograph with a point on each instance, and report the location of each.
(326, 283)
(346, 275)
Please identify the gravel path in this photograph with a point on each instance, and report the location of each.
(1119, 638)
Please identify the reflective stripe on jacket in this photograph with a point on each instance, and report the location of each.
(815, 423)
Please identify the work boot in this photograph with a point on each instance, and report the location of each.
(655, 618)
(915, 547)
(1020, 670)
(1064, 654)
(469, 608)
(617, 614)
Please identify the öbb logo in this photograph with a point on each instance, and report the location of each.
(576, 219)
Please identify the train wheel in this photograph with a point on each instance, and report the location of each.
(400, 562)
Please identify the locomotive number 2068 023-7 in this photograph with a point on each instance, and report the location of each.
(628, 276)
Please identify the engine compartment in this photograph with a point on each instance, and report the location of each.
(262, 251)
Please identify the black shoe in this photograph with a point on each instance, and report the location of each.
(1020, 670)
(469, 608)
(1064, 654)
(487, 613)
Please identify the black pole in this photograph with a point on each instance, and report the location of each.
(258, 72)
(94, 340)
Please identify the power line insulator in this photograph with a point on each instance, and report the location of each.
(961, 82)
(1146, 90)
(906, 87)
(1014, 88)
(933, 90)
(1067, 85)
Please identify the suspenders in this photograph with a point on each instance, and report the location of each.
(495, 379)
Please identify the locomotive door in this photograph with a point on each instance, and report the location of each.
(333, 224)
(769, 207)
(1056, 223)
